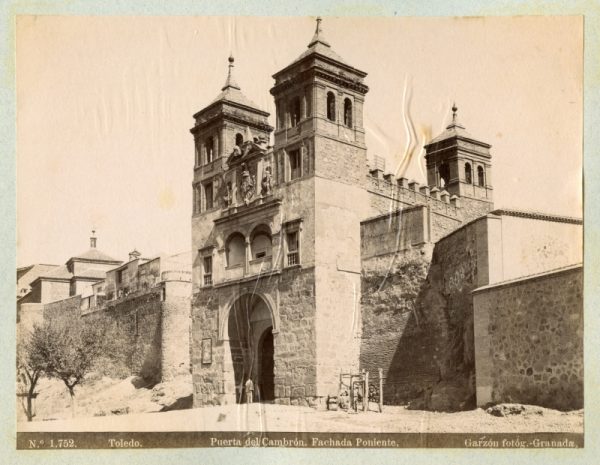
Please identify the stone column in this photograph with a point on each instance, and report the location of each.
(202, 153)
(276, 250)
(217, 146)
(247, 256)
(303, 106)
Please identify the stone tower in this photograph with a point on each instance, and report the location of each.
(229, 120)
(459, 163)
(276, 235)
(225, 123)
(320, 139)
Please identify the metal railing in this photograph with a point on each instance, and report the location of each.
(293, 258)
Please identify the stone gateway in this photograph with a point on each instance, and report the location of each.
(307, 264)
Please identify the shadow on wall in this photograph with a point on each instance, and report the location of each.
(150, 355)
(419, 333)
(133, 334)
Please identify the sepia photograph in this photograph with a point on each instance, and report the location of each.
(300, 232)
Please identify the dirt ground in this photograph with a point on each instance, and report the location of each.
(105, 404)
(104, 396)
(268, 417)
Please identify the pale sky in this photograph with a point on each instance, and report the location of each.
(105, 104)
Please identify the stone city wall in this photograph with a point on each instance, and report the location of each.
(136, 322)
(175, 330)
(529, 340)
(417, 320)
(393, 232)
(69, 308)
(404, 229)
(29, 314)
(394, 337)
(388, 194)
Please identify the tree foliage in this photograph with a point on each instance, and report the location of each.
(65, 349)
(30, 366)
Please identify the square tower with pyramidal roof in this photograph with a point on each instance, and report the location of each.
(277, 233)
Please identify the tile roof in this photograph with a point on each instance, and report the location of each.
(234, 95)
(452, 130)
(60, 272)
(323, 49)
(320, 46)
(231, 91)
(95, 254)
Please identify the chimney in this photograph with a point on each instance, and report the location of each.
(134, 255)
(93, 239)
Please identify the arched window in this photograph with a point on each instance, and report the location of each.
(330, 106)
(444, 175)
(210, 149)
(480, 176)
(261, 245)
(295, 111)
(236, 250)
(348, 113)
(468, 174)
(239, 139)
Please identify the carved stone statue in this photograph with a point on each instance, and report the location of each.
(234, 199)
(228, 196)
(247, 185)
(266, 183)
(246, 148)
(236, 152)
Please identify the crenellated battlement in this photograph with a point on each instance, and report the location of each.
(409, 192)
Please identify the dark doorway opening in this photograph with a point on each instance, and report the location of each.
(266, 378)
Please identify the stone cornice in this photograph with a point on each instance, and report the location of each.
(326, 59)
(254, 277)
(233, 119)
(245, 210)
(459, 137)
(86, 278)
(94, 260)
(233, 104)
(537, 216)
(520, 280)
(328, 76)
(56, 280)
(458, 149)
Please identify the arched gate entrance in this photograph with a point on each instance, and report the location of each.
(251, 342)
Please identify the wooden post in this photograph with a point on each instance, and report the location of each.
(366, 392)
(380, 390)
